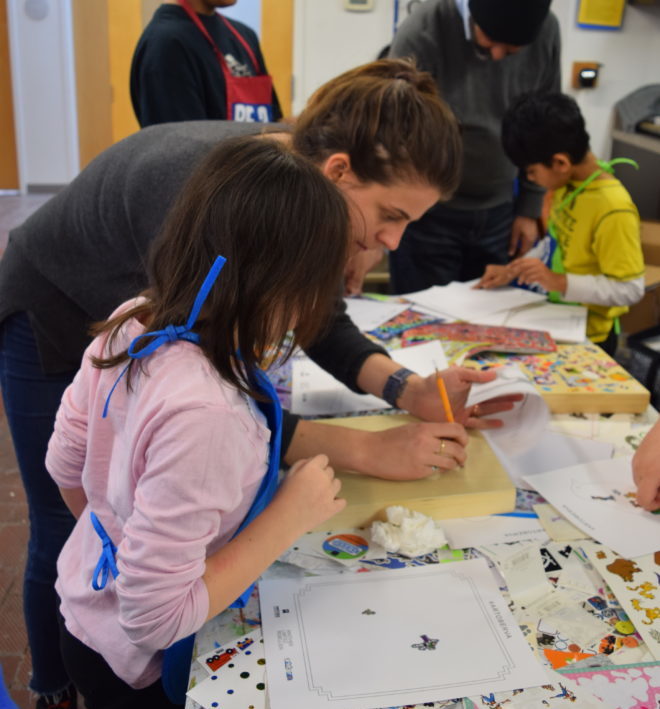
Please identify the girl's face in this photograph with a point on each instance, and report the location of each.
(380, 213)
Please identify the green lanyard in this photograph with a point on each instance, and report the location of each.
(557, 261)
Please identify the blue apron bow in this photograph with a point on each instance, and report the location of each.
(177, 658)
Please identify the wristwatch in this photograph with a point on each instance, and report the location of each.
(395, 385)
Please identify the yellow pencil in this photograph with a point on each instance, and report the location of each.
(442, 390)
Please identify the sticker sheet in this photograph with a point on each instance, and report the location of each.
(236, 684)
(357, 641)
(636, 584)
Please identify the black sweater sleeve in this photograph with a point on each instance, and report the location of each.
(341, 350)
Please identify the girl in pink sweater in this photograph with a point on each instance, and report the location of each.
(166, 444)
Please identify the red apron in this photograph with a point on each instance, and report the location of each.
(249, 98)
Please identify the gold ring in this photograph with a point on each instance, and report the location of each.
(475, 410)
(443, 444)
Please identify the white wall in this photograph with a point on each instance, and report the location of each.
(246, 11)
(44, 92)
(630, 58)
(329, 40)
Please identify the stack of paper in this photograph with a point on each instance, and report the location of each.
(465, 302)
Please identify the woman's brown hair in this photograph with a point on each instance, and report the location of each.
(390, 119)
(283, 229)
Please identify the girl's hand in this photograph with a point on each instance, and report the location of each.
(308, 495)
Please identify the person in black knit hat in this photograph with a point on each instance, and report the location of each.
(482, 54)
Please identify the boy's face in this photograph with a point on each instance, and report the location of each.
(551, 177)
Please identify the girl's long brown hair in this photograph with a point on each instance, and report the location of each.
(388, 116)
(283, 229)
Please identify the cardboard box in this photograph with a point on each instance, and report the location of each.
(646, 313)
(651, 242)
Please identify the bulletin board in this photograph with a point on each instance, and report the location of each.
(601, 14)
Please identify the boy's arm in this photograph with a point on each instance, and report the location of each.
(601, 290)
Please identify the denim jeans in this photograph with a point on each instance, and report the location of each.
(450, 245)
(31, 400)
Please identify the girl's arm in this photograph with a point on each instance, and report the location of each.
(306, 498)
(75, 499)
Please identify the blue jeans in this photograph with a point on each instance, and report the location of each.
(450, 245)
(31, 400)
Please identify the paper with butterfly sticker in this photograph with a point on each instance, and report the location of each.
(411, 635)
(636, 585)
(238, 684)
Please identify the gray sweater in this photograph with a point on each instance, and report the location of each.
(84, 252)
(479, 91)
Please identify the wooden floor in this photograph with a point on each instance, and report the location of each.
(14, 652)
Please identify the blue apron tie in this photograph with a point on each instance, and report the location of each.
(171, 333)
(177, 658)
(106, 562)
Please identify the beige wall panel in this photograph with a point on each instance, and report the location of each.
(8, 159)
(277, 46)
(94, 93)
(125, 19)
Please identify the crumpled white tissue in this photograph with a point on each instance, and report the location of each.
(407, 532)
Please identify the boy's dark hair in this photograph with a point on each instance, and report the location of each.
(536, 126)
(284, 230)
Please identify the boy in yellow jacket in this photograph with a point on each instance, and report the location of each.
(593, 253)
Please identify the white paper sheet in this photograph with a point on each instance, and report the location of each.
(551, 450)
(565, 323)
(368, 313)
(494, 529)
(465, 302)
(525, 423)
(314, 392)
(361, 641)
(559, 529)
(599, 498)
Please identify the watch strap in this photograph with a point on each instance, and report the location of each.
(395, 385)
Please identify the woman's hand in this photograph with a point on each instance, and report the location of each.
(415, 450)
(421, 398)
(308, 495)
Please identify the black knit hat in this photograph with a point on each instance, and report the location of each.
(515, 22)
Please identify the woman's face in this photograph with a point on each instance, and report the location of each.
(380, 213)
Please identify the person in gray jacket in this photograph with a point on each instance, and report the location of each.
(482, 54)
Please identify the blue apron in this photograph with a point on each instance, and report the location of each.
(177, 658)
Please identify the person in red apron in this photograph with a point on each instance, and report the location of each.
(192, 63)
(593, 252)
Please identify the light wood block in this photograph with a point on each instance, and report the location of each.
(482, 487)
